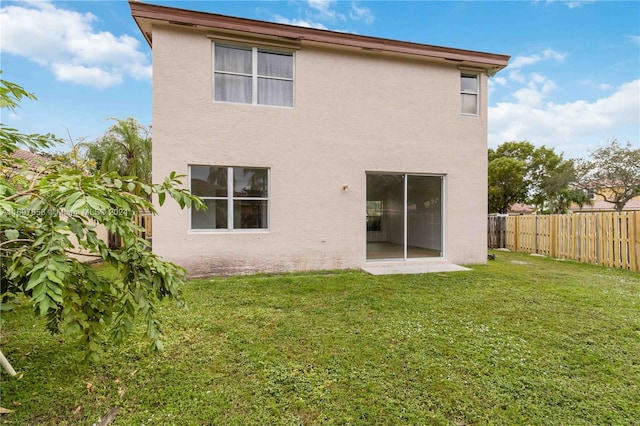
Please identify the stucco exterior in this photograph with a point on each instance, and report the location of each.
(355, 111)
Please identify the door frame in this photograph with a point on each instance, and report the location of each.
(443, 192)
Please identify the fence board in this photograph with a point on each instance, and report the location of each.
(496, 231)
(142, 220)
(600, 238)
(634, 242)
(615, 240)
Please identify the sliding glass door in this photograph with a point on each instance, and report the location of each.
(385, 216)
(404, 216)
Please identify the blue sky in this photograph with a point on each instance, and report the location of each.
(573, 82)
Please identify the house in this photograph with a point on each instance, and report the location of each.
(34, 166)
(315, 149)
(34, 163)
(598, 202)
(521, 209)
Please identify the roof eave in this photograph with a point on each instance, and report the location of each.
(145, 14)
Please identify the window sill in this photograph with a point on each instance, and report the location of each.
(252, 105)
(227, 231)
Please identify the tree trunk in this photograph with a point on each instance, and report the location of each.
(6, 366)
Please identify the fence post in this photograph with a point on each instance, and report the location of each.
(552, 235)
(602, 233)
(516, 234)
(535, 234)
(635, 242)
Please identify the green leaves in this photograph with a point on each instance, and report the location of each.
(12, 234)
(520, 172)
(125, 149)
(11, 94)
(37, 254)
(48, 218)
(612, 172)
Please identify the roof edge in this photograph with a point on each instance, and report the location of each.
(144, 12)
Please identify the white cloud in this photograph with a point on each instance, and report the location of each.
(571, 4)
(517, 76)
(535, 92)
(496, 81)
(323, 10)
(572, 127)
(321, 5)
(89, 76)
(66, 42)
(634, 38)
(298, 22)
(577, 4)
(501, 81)
(591, 84)
(321, 13)
(140, 71)
(361, 14)
(523, 61)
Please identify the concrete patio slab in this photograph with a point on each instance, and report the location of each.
(413, 269)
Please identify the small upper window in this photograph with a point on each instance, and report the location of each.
(469, 94)
(253, 76)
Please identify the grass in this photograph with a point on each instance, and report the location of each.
(521, 340)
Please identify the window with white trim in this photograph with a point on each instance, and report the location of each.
(469, 94)
(252, 75)
(236, 197)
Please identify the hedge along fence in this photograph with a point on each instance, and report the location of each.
(601, 238)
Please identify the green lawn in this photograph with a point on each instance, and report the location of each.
(521, 340)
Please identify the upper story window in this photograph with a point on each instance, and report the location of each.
(469, 94)
(253, 75)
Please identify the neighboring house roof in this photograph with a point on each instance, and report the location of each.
(34, 161)
(147, 15)
(600, 205)
(520, 208)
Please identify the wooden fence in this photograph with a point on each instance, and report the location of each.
(142, 220)
(607, 239)
(496, 231)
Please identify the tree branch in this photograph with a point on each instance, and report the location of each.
(77, 253)
(22, 240)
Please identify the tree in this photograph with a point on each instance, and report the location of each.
(549, 175)
(611, 171)
(41, 210)
(555, 189)
(125, 149)
(506, 183)
(566, 198)
(544, 177)
(77, 157)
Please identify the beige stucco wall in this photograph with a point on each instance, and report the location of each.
(102, 234)
(355, 111)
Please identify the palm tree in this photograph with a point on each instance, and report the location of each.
(125, 148)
